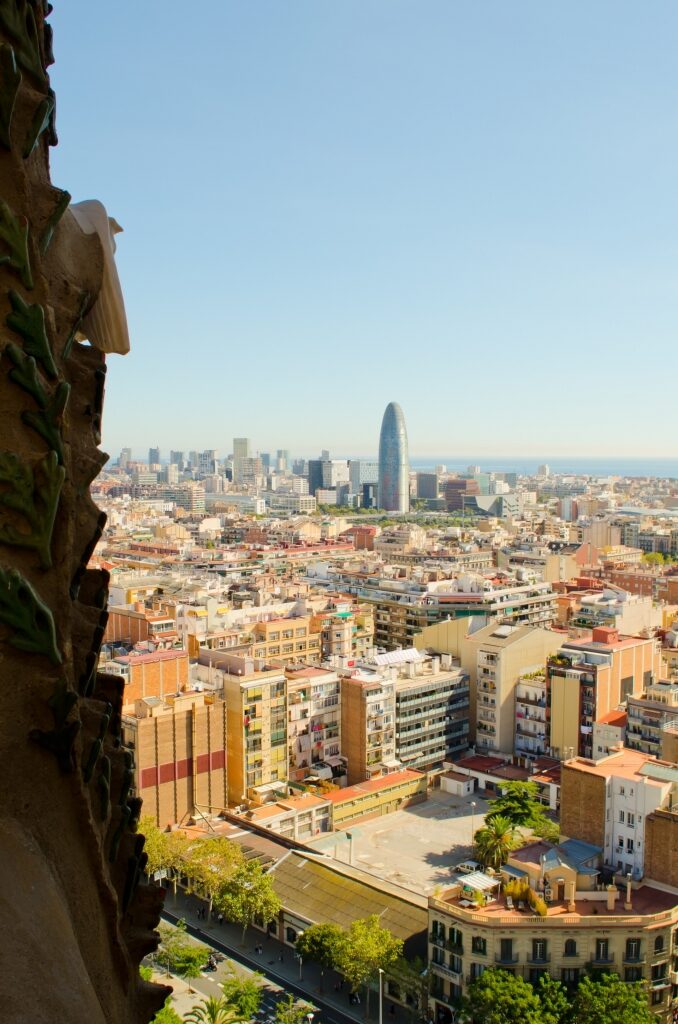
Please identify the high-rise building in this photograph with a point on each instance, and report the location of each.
(282, 460)
(394, 481)
(361, 472)
(242, 448)
(124, 458)
(176, 458)
(154, 456)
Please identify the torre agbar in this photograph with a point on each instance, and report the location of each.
(394, 482)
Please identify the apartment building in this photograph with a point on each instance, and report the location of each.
(404, 607)
(141, 625)
(648, 714)
(313, 720)
(588, 679)
(432, 710)
(368, 707)
(286, 639)
(588, 926)
(256, 702)
(346, 630)
(613, 803)
(158, 674)
(179, 747)
(615, 608)
(497, 659)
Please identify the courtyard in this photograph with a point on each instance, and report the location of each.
(417, 847)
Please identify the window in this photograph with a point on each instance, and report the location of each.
(630, 820)
(632, 949)
(570, 977)
(622, 791)
(478, 945)
(629, 845)
(633, 974)
(656, 996)
(538, 949)
(621, 817)
(659, 944)
(602, 950)
(506, 954)
(570, 947)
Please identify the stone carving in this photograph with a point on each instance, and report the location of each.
(68, 819)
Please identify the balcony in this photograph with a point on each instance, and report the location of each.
(537, 960)
(664, 982)
(601, 960)
(633, 958)
(454, 976)
(506, 958)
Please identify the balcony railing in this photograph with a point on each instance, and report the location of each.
(545, 958)
(506, 958)
(602, 959)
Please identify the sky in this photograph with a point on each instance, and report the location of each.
(469, 208)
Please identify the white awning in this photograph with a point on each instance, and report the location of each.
(478, 880)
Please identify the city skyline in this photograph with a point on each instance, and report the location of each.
(491, 235)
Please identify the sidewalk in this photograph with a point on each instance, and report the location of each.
(279, 964)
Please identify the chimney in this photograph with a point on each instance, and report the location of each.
(569, 896)
(627, 904)
(611, 896)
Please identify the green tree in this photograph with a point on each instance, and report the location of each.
(167, 1015)
(289, 1011)
(609, 1000)
(366, 948)
(146, 973)
(178, 953)
(243, 993)
(248, 894)
(494, 842)
(518, 803)
(167, 851)
(553, 999)
(321, 943)
(210, 863)
(498, 997)
(213, 1011)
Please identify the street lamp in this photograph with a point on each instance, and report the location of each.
(309, 1018)
(301, 961)
(381, 996)
(473, 812)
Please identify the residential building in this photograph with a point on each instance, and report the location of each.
(613, 802)
(313, 720)
(404, 607)
(649, 713)
(587, 679)
(346, 630)
(587, 926)
(367, 722)
(179, 747)
(157, 674)
(141, 625)
(431, 708)
(506, 709)
(286, 639)
(256, 702)
(394, 468)
(617, 609)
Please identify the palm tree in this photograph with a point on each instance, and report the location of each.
(494, 842)
(213, 1011)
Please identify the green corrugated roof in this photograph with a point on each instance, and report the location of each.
(314, 890)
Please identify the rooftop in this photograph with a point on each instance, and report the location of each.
(373, 785)
(627, 764)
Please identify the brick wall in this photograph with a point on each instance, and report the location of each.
(661, 847)
(180, 761)
(582, 806)
(156, 678)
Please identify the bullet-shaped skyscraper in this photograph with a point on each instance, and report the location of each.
(394, 466)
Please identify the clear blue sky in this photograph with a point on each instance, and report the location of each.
(466, 207)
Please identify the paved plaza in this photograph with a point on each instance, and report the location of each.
(417, 847)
